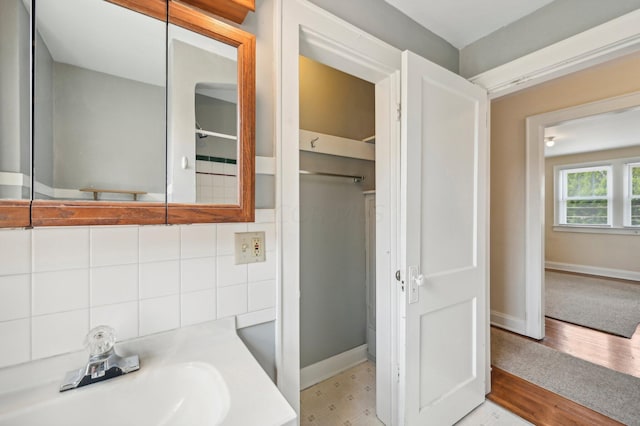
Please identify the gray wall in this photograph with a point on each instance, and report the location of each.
(550, 24)
(332, 268)
(15, 104)
(43, 116)
(261, 342)
(98, 144)
(217, 116)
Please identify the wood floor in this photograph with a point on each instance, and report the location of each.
(542, 407)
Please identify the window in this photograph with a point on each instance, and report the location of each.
(633, 195)
(598, 197)
(585, 196)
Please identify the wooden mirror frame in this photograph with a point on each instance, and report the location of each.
(15, 213)
(203, 23)
(70, 213)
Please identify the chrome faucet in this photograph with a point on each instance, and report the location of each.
(104, 363)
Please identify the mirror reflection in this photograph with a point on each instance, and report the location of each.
(99, 120)
(203, 119)
(15, 99)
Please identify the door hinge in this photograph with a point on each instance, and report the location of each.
(397, 373)
(399, 112)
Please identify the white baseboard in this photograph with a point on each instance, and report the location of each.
(508, 322)
(329, 367)
(594, 270)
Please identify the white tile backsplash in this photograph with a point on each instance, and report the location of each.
(114, 245)
(263, 270)
(56, 249)
(15, 297)
(114, 284)
(197, 241)
(262, 295)
(232, 300)
(226, 237)
(159, 279)
(159, 314)
(197, 274)
(159, 242)
(58, 333)
(122, 317)
(198, 307)
(60, 291)
(16, 342)
(56, 283)
(228, 273)
(15, 251)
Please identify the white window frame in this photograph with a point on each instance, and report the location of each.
(560, 174)
(628, 194)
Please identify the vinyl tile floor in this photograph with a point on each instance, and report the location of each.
(349, 399)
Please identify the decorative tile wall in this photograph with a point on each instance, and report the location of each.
(57, 283)
(216, 180)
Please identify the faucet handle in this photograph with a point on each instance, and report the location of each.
(100, 340)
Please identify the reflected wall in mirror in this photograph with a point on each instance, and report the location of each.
(211, 122)
(15, 112)
(203, 119)
(99, 120)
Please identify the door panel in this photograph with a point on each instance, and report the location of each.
(444, 211)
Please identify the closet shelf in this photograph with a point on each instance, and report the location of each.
(322, 143)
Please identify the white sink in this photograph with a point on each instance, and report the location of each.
(188, 393)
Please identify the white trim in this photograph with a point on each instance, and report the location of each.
(508, 322)
(585, 229)
(535, 202)
(255, 318)
(329, 367)
(306, 29)
(14, 179)
(335, 145)
(612, 39)
(594, 270)
(265, 165)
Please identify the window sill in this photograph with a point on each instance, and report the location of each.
(597, 229)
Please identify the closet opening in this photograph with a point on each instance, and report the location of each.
(337, 246)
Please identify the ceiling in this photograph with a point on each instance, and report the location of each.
(611, 130)
(461, 22)
(97, 44)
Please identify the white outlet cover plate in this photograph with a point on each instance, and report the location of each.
(249, 247)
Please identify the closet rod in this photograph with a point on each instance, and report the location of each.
(356, 179)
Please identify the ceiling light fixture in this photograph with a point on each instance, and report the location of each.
(549, 141)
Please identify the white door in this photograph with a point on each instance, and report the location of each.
(443, 238)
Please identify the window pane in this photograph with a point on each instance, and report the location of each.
(587, 212)
(635, 180)
(635, 212)
(587, 184)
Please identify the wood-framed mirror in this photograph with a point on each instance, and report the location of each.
(211, 119)
(101, 161)
(99, 131)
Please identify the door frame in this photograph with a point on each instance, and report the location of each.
(304, 28)
(535, 198)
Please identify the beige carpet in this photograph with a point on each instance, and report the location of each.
(613, 394)
(598, 303)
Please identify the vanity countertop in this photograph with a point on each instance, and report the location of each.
(253, 397)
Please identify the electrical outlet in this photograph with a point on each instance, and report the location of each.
(249, 247)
